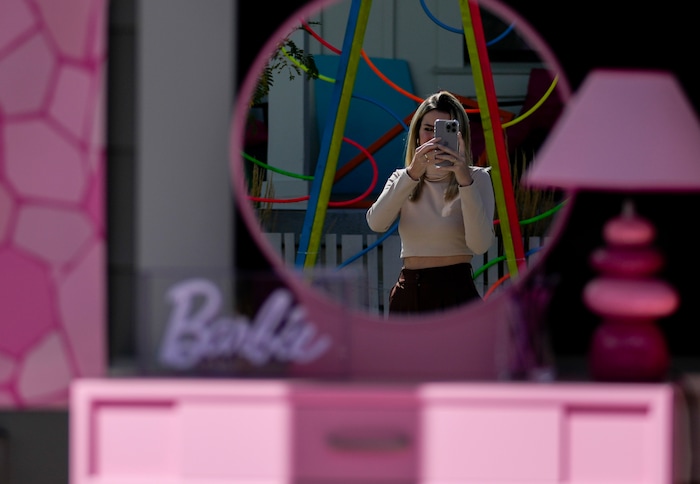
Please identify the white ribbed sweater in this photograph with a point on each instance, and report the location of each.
(431, 226)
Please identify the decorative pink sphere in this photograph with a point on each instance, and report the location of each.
(625, 352)
(630, 298)
(627, 261)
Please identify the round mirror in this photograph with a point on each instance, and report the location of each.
(321, 122)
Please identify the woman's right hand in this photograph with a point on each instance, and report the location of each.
(423, 156)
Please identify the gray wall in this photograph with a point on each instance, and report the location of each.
(170, 201)
(184, 95)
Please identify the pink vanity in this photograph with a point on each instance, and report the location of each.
(160, 431)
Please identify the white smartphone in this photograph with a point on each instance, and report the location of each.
(448, 130)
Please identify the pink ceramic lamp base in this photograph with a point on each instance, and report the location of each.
(628, 345)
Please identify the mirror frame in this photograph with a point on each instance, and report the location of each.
(369, 346)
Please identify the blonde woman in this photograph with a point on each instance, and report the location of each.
(445, 213)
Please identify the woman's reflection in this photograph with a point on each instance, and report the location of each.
(343, 241)
(445, 207)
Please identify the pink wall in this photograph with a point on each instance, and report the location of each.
(52, 221)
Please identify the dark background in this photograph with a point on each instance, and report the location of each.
(583, 37)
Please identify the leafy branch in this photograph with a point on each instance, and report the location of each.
(287, 58)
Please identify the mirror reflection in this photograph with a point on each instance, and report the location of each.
(329, 125)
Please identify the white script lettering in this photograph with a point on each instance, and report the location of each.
(195, 331)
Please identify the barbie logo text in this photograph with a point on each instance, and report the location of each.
(196, 330)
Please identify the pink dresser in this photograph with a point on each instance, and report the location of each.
(162, 431)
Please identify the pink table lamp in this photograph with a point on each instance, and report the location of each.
(605, 140)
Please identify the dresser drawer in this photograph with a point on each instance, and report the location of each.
(359, 436)
(526, 433)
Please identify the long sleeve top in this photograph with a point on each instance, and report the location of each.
(431, 226)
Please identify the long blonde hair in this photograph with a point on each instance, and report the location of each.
(447, 102)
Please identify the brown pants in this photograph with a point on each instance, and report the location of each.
(432, 289)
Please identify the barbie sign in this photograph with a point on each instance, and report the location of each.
(197, 331)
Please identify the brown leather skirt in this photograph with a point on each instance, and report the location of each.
(432, 289)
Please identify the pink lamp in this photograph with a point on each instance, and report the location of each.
(625, 131)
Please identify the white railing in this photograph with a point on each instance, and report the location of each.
(373, 267)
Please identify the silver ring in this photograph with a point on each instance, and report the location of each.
(426, 156)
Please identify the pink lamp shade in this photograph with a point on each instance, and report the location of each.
(623, 130)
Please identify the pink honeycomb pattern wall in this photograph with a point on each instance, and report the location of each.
(52, 221)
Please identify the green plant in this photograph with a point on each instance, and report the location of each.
(288, 57)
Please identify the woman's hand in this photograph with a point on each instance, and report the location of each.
(455, 162)
(424, 156)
